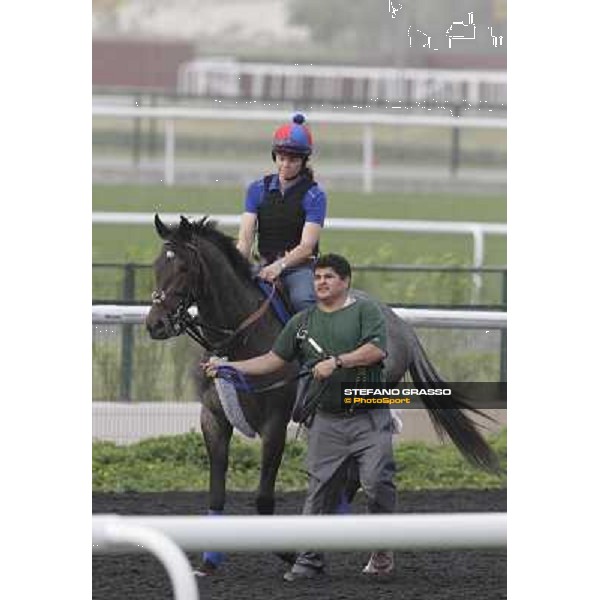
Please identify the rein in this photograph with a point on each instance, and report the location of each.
(238, 379)
(303, 411)
(194, 327)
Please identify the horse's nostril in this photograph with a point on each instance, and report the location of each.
(157, 330)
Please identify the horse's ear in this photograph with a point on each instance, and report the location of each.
(185, 227)
(163, 231)
(206, 223)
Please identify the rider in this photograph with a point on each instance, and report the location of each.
(287, 211)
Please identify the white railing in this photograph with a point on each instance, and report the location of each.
(433, 531)
(169, 114)
(117, 534)
(106, 314)
(312, 83)
(477, 230)
(111, 533)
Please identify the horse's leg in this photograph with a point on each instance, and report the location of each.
(217, 435)
(273, 443)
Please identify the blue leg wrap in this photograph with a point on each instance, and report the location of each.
(343, 507)
(215, 558)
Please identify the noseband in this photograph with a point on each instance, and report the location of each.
(176, 318)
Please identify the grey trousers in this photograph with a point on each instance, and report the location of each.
(334, 441)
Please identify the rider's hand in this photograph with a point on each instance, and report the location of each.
(271, 272)
(324, 369)
(210, 367)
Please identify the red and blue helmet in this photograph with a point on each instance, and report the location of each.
(293, 138)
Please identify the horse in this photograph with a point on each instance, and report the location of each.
(200, 268)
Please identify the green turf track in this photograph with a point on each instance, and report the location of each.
(123, 243)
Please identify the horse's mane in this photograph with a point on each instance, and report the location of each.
(206, 229)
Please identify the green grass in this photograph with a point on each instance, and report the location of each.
(120, 244)
(181, 463)
(139, 243)
(229, 200)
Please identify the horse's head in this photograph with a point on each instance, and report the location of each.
(176, 272)
(198, 266)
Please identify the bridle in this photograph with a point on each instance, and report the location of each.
(178, 317)
(181, 321)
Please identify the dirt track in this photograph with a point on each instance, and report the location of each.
(451, 575)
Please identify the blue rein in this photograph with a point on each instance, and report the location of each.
(277, 304)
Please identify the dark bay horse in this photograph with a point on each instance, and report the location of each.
(199, 266)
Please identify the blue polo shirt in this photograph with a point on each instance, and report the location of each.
(314, 201)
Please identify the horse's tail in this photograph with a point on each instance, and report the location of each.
(452, 421)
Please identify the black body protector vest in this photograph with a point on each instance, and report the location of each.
(280, 221)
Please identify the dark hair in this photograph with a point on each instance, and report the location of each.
(338, 263)
(308, 173)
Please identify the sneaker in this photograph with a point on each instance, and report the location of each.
(302, 572)
(380, 563)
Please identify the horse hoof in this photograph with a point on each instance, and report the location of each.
(287, 557)
(206, 569)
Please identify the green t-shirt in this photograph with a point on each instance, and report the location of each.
(337, 332)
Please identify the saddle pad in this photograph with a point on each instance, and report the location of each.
(231, 406)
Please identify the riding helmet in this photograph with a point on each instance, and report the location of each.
(293, 138)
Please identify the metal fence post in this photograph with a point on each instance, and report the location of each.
(137, 123)
(152, 130)
(127, 340)
(169, 152)
(368, 159)
(455, 148)
(503, 331)
(478, 258)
